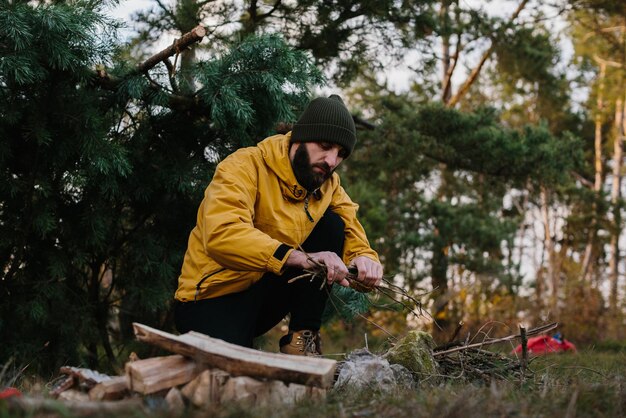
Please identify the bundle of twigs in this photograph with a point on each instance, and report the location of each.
(393, 292)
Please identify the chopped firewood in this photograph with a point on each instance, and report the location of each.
(73, 395)
(112, 389)
(86, 377)
(253, 392)
(76, 376)
(158, 373)
(62, 386)
(175, 402)
(205, 390)
(242, 361)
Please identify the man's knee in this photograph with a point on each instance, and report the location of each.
(328, 235)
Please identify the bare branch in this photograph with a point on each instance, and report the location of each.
(474, 73)
(191, 37)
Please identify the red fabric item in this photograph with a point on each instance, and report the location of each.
(9, 393)
(545, 344)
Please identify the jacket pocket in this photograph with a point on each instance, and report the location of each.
(204, 278)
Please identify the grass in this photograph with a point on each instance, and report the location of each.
(587, 384)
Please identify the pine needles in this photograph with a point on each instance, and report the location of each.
(387, 289)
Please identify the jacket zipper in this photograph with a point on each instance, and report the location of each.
(306, 208)
(206, 276)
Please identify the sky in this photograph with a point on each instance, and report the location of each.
(126, 7)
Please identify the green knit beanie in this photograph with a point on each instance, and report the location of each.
(326, 120)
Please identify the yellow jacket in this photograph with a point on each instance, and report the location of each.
(252, 216)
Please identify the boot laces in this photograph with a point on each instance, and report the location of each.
(307, 339)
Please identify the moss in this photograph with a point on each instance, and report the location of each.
(415, 352)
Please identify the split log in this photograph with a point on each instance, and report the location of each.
(253, 392)
(109, 390)
(158, 373)
(85, 378)
(175, 402)
(242, 361)
(73, 395)
(206, 389)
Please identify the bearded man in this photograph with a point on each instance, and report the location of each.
(264, 204)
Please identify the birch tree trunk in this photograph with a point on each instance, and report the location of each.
(445, 51)
(616, 196)
(549, 248)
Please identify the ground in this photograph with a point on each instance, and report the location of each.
(587, 384)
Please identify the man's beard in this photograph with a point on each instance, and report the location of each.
(303, 170)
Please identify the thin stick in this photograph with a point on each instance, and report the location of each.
(456, 331)
(524, 361)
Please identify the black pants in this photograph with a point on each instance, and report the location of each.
(240, 317)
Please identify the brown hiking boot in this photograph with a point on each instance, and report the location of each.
(301, 343)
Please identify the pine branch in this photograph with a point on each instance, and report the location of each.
(104, 80)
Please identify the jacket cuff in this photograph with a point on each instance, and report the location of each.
(277, 261)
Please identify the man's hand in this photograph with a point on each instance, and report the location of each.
(337, 270)
(370, 272)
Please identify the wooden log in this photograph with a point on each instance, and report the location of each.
(175, 402)
(86, 377)
(242, 361)
(253, 392)
(154, 374)
(73, 395)
(205, 390)
(109, 390)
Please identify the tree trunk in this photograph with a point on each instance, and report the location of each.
(615, 203)
(597, 185)
(439, 273)
(471, 78)
(445, 47)
(553, 279)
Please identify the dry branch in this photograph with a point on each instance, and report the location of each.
(474, 73)
(115, 388)
(104, 80)
(191, 37)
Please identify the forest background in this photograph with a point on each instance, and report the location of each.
(490, 184)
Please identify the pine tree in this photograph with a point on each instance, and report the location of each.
(103, 165)
(393, 175)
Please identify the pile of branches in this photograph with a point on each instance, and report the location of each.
(459, 360)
